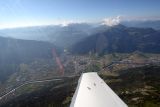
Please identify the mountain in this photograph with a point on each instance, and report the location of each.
(30, 33)
(15, 52)
(58, 33)
(66, 36)
(63, 36)
(120, 39)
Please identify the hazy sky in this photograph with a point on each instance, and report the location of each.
(38, 12)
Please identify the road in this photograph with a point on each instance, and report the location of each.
(26, 83)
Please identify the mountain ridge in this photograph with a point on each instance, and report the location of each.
(120, 39)
(16, 51)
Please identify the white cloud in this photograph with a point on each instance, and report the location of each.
(112, 21)
(67, 22)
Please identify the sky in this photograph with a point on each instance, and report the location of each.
(16, 13)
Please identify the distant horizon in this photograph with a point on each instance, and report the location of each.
(26, 13)
(106, 21)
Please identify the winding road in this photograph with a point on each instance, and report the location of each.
(26, 83)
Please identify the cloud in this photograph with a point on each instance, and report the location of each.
(63, 22)
(112, 21)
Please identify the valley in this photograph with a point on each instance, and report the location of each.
(127, 58)
(117, 69)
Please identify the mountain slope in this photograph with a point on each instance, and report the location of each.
(120, 39)
(15, 52)
(63, 36)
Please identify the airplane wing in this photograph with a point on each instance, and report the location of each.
(92, 91)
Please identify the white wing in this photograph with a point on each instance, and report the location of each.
(92, 91)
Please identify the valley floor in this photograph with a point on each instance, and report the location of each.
(134, 77)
